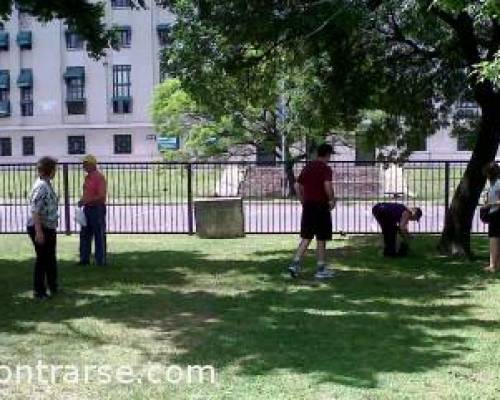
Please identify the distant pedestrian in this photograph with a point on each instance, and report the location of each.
(42, 226)
(93, 202)
(315, 191)
(493, 204)
(393, 218)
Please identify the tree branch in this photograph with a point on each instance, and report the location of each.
(399, 36)
(463, 25)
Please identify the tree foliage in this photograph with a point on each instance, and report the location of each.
(402, 57)
(219, 111)
(380, 65)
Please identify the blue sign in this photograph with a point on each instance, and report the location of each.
(168, 143)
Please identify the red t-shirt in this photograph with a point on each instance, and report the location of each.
(94, 188)
(313, 178)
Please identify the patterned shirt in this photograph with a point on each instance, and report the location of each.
(45, 203)
(494, 195)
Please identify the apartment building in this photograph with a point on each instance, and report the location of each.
(55, 100)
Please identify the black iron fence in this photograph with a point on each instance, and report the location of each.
(159, 197)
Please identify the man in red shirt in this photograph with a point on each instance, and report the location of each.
(93, 202)
(315, 191)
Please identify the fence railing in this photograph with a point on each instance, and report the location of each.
(158, 197)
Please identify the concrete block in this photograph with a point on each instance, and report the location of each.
(219, 218)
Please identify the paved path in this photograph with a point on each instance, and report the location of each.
(260, 217)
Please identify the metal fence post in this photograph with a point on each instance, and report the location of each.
(67, 219)
(190, 198)
(447, 186)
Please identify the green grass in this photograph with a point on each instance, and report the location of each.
(429, 183)
(154, 183)
(424, 327)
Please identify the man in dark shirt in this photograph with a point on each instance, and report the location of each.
(315, 191)
(394, 218)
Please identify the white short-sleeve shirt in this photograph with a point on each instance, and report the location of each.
(494, 195)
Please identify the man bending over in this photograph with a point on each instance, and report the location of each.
(393, 218)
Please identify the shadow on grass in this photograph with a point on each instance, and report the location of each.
(377, 316)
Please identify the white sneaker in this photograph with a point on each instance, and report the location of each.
(294, 269)
(324, 274)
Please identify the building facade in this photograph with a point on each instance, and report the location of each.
(440, 146)
(55, 100)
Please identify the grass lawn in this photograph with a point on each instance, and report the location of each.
(425, 327)
(128, 183)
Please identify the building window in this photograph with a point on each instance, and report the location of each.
(122, 99)
(5, 147)
(24, 40)
(4, 103)
(28, 146)
(121, 80)
(25, 84)
(4, 93)
(123, 36)
(164, 37)
(123, 144)
(74, 41)
(4, 40)
(75, 90)
(121, 4)
(76, 144)
(27, 101)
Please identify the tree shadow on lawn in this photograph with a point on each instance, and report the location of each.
(377, 317)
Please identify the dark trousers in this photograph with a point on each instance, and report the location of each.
(389, 232)
(95, 229)
(46, 264)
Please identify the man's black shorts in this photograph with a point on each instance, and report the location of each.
(316, 221)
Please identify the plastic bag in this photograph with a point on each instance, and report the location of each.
(80, 217)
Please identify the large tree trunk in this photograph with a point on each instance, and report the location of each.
(455, 238)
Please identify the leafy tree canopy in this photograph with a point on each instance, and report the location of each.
(411, 59)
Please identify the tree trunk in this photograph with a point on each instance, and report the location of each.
(290, 177)
(455, 238)
(310, 148)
